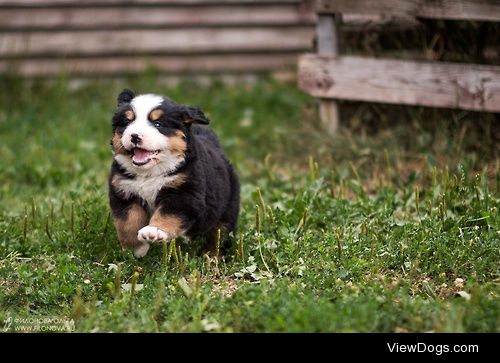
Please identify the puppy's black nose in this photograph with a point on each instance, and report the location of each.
(136, 139)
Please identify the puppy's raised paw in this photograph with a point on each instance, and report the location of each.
(152, 234)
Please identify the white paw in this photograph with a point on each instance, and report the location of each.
(152, 234)
(141, 249)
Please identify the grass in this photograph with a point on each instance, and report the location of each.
(390, 226)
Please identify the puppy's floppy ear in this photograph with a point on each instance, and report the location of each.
(125, 97)
(193, 115)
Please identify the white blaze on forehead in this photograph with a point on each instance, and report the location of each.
(151, 138)
(143, 104)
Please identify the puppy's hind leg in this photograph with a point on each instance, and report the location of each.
(229, 219)
(216, 242)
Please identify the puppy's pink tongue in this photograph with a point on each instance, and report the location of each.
(141, 155)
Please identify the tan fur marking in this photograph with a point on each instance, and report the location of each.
(127, 228)
(178, 143)
(156, 114)
(168, 223)
(177, 182)
(129, 114)
(116, 144)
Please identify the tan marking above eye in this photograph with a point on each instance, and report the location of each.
(129, 114)
(155, 114)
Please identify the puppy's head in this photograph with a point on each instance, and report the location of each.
(151, 133)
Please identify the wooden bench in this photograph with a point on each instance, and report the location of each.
(328, 75)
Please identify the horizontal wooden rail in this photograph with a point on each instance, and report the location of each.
(42, 3)
(155, 16)
(158, 17)
(488, 10)
(155, 41)
(208, 63)
(435, 84)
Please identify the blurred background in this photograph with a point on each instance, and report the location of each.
(119, 37)
(112, 37)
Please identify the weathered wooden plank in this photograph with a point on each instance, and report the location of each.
(435, 84)
(50, 3)
(27, 19)
(155, 41)
(446, 9)
(328, 37)
(102, 18)
(163, 64)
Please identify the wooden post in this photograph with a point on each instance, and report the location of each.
(327, 31)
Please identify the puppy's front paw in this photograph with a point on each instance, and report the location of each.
(152, 234)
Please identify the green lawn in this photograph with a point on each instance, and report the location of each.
(392, 225)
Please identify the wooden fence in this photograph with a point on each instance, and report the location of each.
(174, 36)
(94, 37)
(328, 75)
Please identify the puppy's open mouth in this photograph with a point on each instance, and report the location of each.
(142, 156)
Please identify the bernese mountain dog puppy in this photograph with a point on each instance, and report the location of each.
(169, 177)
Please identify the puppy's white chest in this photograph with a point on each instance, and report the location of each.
(145, 187)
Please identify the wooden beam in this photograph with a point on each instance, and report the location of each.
(163, 64)
(434, 84)
(92, 18)
(328, 38)
(151, 16)
(51, 3)
(328, 35)
(488, 10)
(155, 41)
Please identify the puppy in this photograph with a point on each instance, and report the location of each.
(169, 177)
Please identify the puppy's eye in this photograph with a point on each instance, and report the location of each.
(157, 124)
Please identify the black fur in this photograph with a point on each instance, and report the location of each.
(125, 97)
(209, 198)
(193, 114)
